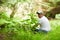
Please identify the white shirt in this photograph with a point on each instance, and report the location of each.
(44, 24)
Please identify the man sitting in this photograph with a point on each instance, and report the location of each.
(43, 22)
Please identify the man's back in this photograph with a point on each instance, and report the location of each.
(44, 23)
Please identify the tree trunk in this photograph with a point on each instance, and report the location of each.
(13, 11)
(53, 12)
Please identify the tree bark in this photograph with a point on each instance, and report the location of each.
(13, 11)
(52, 13)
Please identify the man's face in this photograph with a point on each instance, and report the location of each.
(40, 15)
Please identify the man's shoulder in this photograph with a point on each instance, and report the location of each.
(43, 18)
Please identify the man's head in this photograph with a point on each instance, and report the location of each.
(40, 14)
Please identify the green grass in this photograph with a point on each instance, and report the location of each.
(54, 34)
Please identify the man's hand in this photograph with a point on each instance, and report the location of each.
(34, 27)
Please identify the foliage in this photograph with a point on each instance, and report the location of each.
(17, 23)
(12, 27)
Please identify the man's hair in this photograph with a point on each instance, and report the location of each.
(39, 13)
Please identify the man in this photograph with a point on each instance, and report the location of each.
(43, 22)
